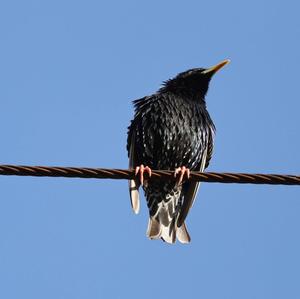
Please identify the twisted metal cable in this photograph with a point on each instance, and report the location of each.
(103, 173)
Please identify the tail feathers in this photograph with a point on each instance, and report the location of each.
(154, 229)
(168, 233)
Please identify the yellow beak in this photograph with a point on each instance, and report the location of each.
(214, 69)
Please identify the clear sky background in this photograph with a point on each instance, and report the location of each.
(68, 73)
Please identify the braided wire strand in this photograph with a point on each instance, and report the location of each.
(126, 174)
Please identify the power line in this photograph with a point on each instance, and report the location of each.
(104, 173)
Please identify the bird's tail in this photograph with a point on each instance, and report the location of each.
(168, 232)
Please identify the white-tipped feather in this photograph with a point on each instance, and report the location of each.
(134, 196)
(167, 235)
(182, 234)
(154, 229)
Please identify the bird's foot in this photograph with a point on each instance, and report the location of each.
(141, 170)
(183, 172)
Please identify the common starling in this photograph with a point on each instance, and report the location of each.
(171, 130)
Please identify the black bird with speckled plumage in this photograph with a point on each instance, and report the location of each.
(171, 130)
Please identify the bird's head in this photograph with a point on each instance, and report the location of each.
(193, 83)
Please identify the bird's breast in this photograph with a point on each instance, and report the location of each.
(174, 134)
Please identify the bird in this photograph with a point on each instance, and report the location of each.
(171, 130)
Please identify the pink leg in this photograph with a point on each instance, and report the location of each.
(183, 172)
(141, 169)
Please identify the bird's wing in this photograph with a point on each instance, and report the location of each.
(210, 148)
(190, 191)
(133, 184)
(191, 188)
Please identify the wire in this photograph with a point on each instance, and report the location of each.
(103, 173)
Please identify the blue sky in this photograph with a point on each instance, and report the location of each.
(68, 73)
